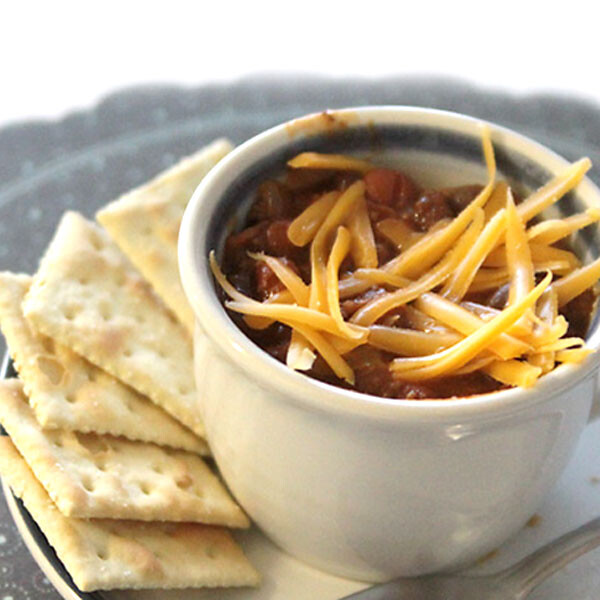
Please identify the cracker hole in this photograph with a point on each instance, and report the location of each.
(69, 314)
(183, 390)
(57, 443)
(102, 555)
(100, 465)
(48, 344)
(51, 368)
(211, 552)
(70, 398)
(105, 312)
(158, 469)
(127, 353)
(88, 485)
(145, 489)
(96, 242)
(83, 281)
(184, 483)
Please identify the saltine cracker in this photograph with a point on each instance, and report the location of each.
(68, 392)
(91, 476)
(145, 224)
(108, 554)
(87, 296)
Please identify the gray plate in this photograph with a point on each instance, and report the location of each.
(89, 158)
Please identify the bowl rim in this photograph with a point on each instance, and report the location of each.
(310, 393)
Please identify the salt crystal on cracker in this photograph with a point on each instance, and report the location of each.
(145, 224)
(87, 296)
(93, 476)
(68, 392)
(108, 554)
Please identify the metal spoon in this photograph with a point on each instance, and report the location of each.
(514, 583)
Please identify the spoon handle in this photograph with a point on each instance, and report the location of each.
(535, 568)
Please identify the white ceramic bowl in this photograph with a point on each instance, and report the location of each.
(367, 487)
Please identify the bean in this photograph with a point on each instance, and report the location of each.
(273, 202)
(278, 243)
(430, 208)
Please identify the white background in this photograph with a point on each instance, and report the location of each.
(59, 56)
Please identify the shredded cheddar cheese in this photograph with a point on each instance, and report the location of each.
(431, 279)
(553, 190)
(333, 358)
(518, 255)
(513, 372)
(340, 248)
(399, 233)
(300, 355)
(293, 312)
(456, 356)
(549, 232)
(341, 210)
(465, 322)
(304, 227)
(577, 282)
(362, 240)
(293, 282)
(540, 253)
(283, 297)
(430, 249)
(460, 281)
(410, 342)
(372, 311)
(313, 160)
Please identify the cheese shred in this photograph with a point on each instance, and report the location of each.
(341, 210)
(415, 369)
(314, 160)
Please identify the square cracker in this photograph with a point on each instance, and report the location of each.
(104, 554)
(68, 392)
(145, 224)
(87, 296)
(91, 476)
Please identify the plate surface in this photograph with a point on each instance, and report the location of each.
(89, 158)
